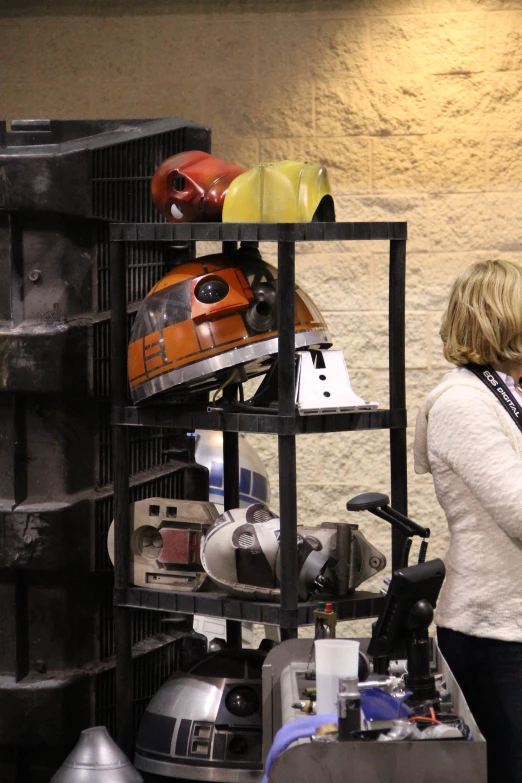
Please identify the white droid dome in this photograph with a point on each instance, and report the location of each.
(254, 486)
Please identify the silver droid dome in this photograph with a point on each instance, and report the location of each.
(207, 724)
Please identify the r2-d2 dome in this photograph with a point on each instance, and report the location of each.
(206, 724)
(254, 485)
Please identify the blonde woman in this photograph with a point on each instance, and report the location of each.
(469, 437)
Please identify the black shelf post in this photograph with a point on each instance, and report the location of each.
(286, 443)
(397, 384)
(120, 459)
(231, 500)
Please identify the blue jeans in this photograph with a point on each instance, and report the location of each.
(489, 673)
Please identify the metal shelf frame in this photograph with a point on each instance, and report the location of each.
(359, 605)
(178, 417)
(286, 425)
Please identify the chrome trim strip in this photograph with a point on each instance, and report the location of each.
(197, 772)
(208, 367)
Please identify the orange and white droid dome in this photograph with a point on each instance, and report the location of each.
(209, 315)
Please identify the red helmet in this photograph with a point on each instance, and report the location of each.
(209, 315)
(191, 186)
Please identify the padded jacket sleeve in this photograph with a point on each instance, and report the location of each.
(466, 431)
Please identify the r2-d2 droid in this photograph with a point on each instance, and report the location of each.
(254, 487)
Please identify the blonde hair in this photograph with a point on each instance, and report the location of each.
(483, 320)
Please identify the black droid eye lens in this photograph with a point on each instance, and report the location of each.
(242, 701)
(210, 291)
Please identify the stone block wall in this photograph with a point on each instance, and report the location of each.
(415, 106)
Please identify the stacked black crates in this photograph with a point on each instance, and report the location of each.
(61, 182)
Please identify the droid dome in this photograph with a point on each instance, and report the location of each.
(208, 316)
(254, 483)
(206, 724)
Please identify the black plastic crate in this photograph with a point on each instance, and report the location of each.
(61, 182)
(112, 162)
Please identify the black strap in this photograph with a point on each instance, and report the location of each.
(493, 381)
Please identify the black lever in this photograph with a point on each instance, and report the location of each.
(378, 504)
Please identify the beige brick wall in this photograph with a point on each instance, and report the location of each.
(414, 105)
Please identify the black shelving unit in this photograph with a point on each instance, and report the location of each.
(286, 424)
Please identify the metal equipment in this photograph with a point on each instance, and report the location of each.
(241, 554)
(378, 504)
(415, 727)
(165, 541)
(288, 679)
(206, 724)
(96, 759)
(323, 385)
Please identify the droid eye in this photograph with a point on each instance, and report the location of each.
(211, 290)
(242, 701)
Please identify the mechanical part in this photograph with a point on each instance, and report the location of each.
(261, 316)
(405, 553)
(191, 186)
(165, 542)
(423, 549)
(378, 504)
(286, 192)
(349, 708)
(343, 545)
(96, 759)
(323, 385)
(364, 560)
(217, 644)
(240, 553)
(325, 621)
(398, 667)
(208, 316)
(406, 617)
(239, 558)
(284, 682)
(306, 706)
(207, 724)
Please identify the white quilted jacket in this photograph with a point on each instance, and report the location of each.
(473, 450)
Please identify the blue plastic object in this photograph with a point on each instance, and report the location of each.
(291, 732)
(377, 704)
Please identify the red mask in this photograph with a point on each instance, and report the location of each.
(191, 186)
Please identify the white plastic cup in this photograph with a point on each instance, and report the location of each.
(334, 658)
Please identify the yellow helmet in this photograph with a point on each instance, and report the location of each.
(286, 192)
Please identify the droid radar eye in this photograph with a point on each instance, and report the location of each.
(242, 701)
(211, 290)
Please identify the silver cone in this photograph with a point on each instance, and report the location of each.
(96, 758)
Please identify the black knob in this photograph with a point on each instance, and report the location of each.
(367, 501)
